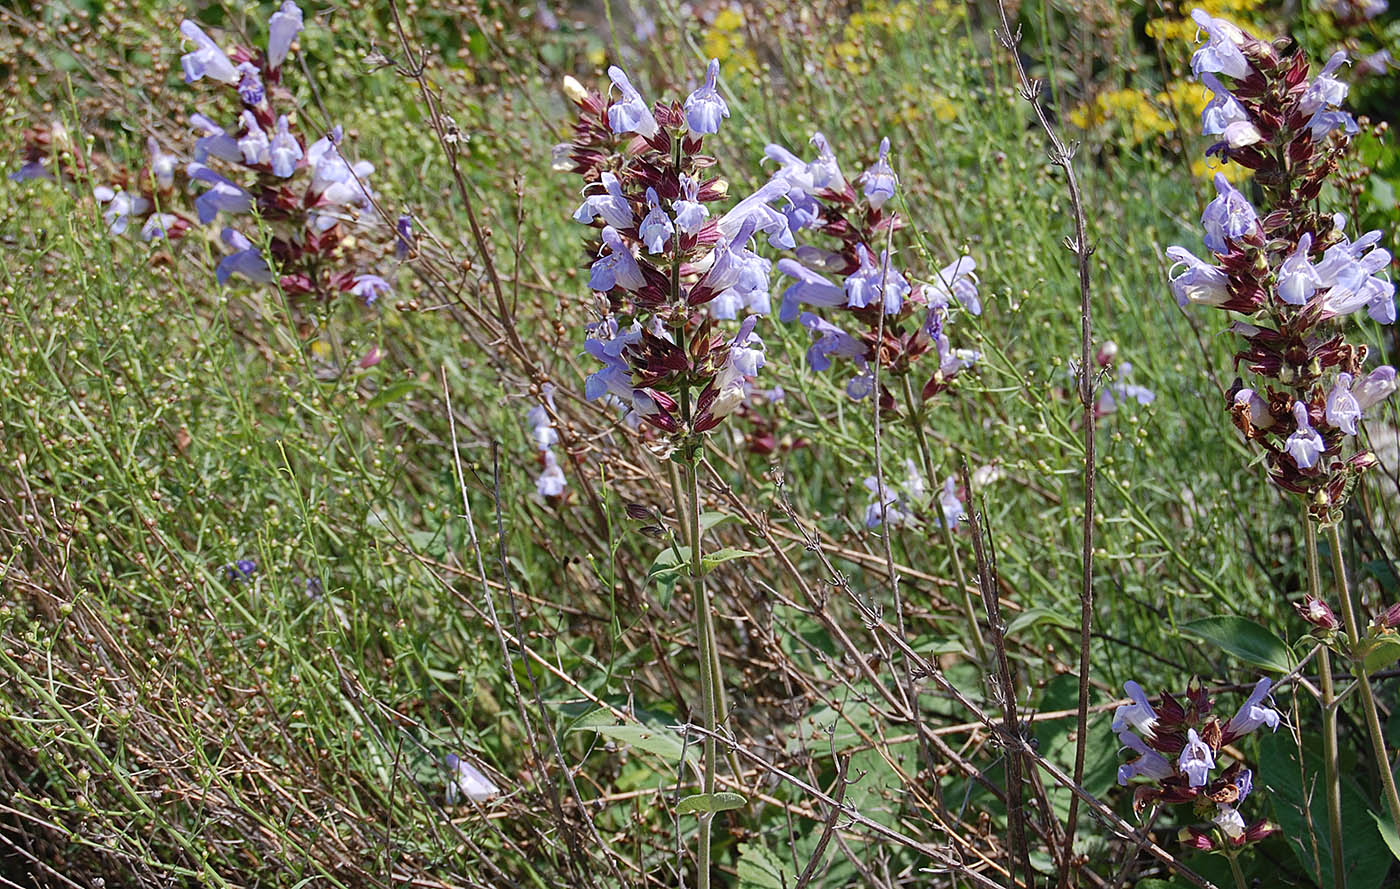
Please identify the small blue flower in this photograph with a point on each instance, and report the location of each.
(612, 205)
(282, 28)
(1149, 764)
(121, 206)
(551, 481)
(254, 142)
(810, 289)
(690, 213)
(863, 286)
(879, 180)
(247, 260)
(1222, 109)
(1305, 445)
(956, 281)
(1375, 388)
(163, 165)
(1342, 408)
(403, 237)
(1325, 91)
(705, 108)
(222, 196)
(215, 141)
(250, 85)
(1252, 713)
(656, 229)
(206, 59)
(243, 569)
(1196, 760)
(1139, 715)
(630, 114)
(285, 150)
(831, 340)
(1324, 122)
(617, 268)
(765, 218)
(1297, 278)
(951, 506)
(370, 287)
(1222, 53)
(1230, 215)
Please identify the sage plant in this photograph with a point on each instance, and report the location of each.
(667, 270)
(1294, 276)
(257, 175)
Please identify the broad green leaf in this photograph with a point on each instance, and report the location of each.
(1382, 653)
(1244, 639)
(392, 392)
(1299, 800)
(761, 869)
(710, 802)
(1033, 616)
(1392, 840)
(662, 742)
(728, 554)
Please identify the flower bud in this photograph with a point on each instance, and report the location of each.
(574, 90)
(1317, 612)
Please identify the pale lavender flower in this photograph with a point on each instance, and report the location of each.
(253, 144)
(630, 114)
(820, 260)
(656, 229)
(282, 28)
(831, 340)
(206, 59)
(1196, 760)
(222, 196)
(1222, 53)
(31, 170)
(1375, 387)
(765, 218)
(1258, 408)
(1139, 715)
(879, 181)
(121, 206)
(285, 150)
(705, 108)
(215, 141)
(1342, 408)
(1325, 91)
(1222, 109)
(247, 260)
(551, 481)
(863, 286)
(158, 225)
(370, 287)
(690, 213)
(1297, 277)
(163, 165)
(542, 431)
(250, 85)
(1230, 215)
(744, 360)
(612, 205)
(810, 289)
(1242, 133)
(467, 782)
(1230, 821)
(617, 268)
(957, 280)
(1253, 713)
(1149, 764)
(1195, 281)
(886, 504)
(403, 237)
(950, 505)
(1305, 445)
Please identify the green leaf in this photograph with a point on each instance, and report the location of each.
(1300, 807)
(391, 393)
(1033, 616)
(710, 802)
(1244, 639)
(662, 742)
(761, 869)
(1382, 653)
(1387, 831)
(720, 556)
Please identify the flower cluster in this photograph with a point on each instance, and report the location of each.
(858, 278)
(1122, 390)
(1179, 743)
(1290, 270)
(258, 167)
(667, 266)
(899, 504)
(551, 482)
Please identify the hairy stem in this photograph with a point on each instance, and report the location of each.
(1331, 776)
(1363, 678)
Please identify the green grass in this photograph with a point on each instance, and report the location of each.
(163, 723)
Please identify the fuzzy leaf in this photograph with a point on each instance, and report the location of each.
(1244, 639)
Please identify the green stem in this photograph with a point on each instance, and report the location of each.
(705, 641)
(1363, 678)
(916, 419)
(1236, 871)
(1331, 776)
